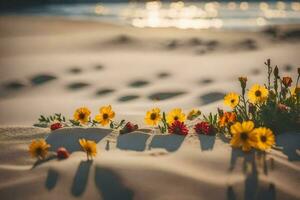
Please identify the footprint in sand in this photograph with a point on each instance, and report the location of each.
(201, 50)
(194, 42)
(105, 91)
(163, 75)
(128, 98)
(138, 83)
(77, 85)
(172, 44)
(14, 85)
(122, 39)
(205, 81)
(211, 97)
(211, 44)
(247, 44)
(288, 68)
(99, 67)
(271, 31)
(291, 35)
(165, 95)
(75, 70)
(255, 71)
(42, 79)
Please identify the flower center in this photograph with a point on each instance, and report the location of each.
(38, 151)
(226, 120)
(258, 93)
(176, 118)
(153, 116)
(88, 150)
(263, 138)
(232, 101)
(105, 116)
(177, 130)
(81, 115)
(244, 136)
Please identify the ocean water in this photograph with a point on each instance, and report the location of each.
(212, 15)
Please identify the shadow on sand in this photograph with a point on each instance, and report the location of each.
(52, 179)
(139, 141)
(207, 142)
(81, 178)
(169, 142)
(135, 141)
(110, 185)
(210, 97)
(290, 142)
(68, 137)
(254, 164)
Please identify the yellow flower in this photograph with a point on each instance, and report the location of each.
(105, 116)
(294, 91)
(193, 114)
(82, 115)
(175, 115)
(89, 147)
(243, 135)
(153, 117)
(231, 99)
(39, 148)
(258, 94)
(265, 138)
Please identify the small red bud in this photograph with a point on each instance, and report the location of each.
(62, 153)
(55, 126)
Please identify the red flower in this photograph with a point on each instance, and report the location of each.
(62, 153)
(55, 126)
(178, 128)
(204, 128)
(129, 127)
(287, 81)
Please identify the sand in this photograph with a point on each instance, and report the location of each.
(51, 65)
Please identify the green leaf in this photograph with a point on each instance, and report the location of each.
(74, 123)
(111, 125)
(41, 125)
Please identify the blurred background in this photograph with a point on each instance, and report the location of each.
(58, 55)
(180, 14)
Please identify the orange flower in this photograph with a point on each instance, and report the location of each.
(287, 81)
(227, 118)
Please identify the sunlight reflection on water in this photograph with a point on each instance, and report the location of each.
(231, 15)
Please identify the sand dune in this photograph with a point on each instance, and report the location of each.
(51, 65)
(192, 172)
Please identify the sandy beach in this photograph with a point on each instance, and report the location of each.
(55, 65)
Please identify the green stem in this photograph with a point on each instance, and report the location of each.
(245, 106)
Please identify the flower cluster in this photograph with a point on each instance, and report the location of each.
(177, 122)
(82, 117)
(270, 107)
(255, 116)
(40, 148)
(245, 136)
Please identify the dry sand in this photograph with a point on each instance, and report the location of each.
(53, 65)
